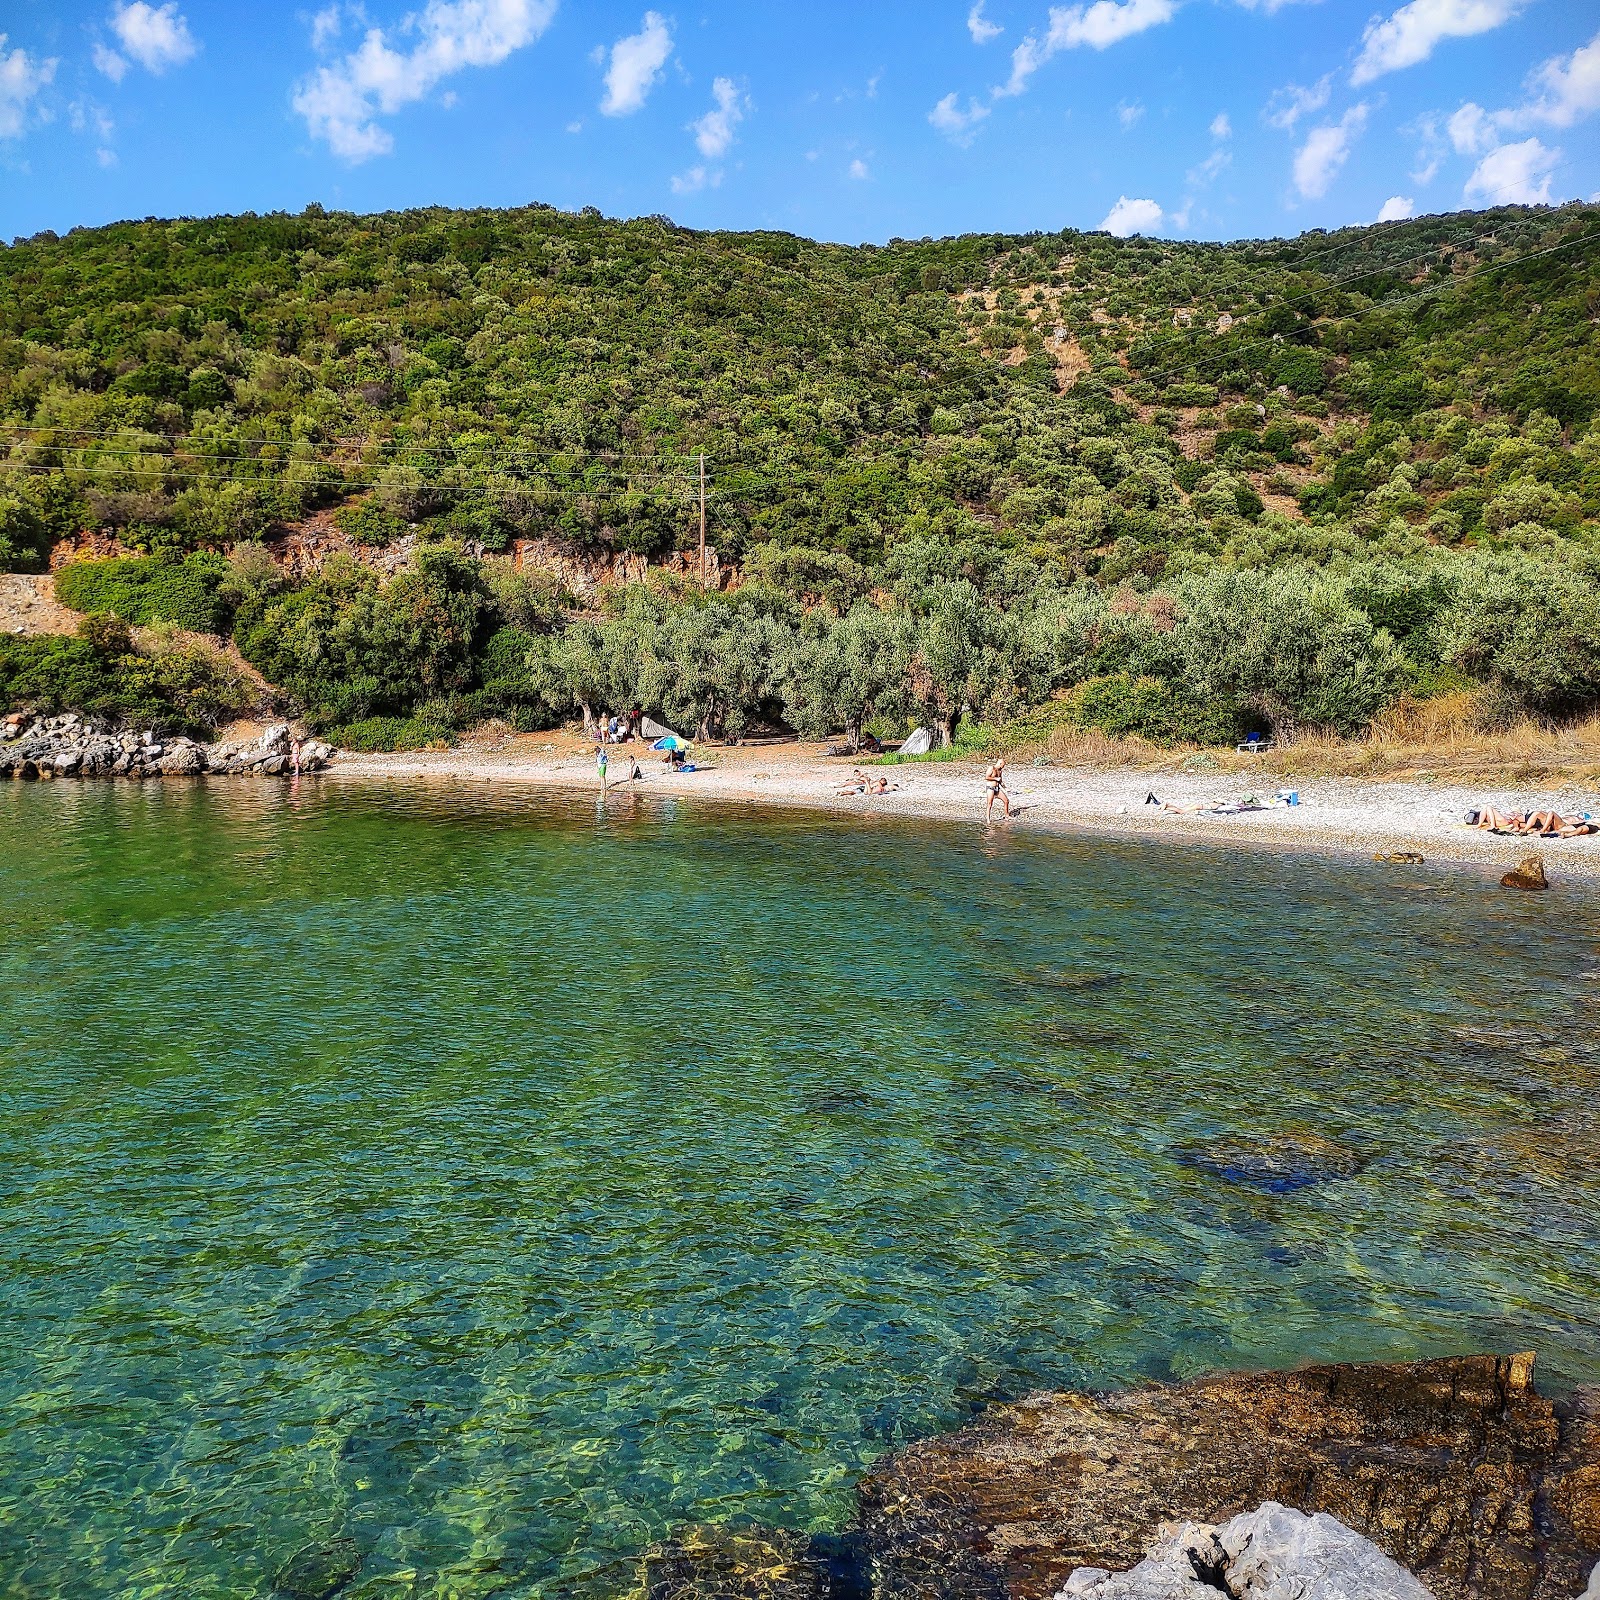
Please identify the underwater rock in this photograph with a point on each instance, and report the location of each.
(1076, 1038)
(1400, 858)
(1278, 1165)
(1529, 875)
(712, 1563)
(319, 1571)
(1271, 1553)
(1073, 981)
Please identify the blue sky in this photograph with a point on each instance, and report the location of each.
(863, 121)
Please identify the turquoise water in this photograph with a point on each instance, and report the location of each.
(495, 1181)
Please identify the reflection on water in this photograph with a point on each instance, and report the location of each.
(494, 1180)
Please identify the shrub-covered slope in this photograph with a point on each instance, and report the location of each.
(1021, 463)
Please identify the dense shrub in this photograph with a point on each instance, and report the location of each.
(1530, 628)
(145, 589)
(1157, 709)
(168, 685)
(377, 734)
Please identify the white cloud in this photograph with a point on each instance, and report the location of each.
(108, 61)
(636, 63)
(1472, 130)
(1288, 104)
(1099, 26)
(1514, 175)
(1432, 147)
(156, 37)
(1568, 88)
(696, 179)
(955, 124)
(1221, 126)
(714, 132)
(1564, 90)
(1132, 216)
(21, 78)
(1397, 208)
(859, 170)
(1410, 34)
(1269, 6)
(980, 27)
(1325, 151)
(326, 26)
(1211, 168)
(85, 116)
(1128, 114)
(341, 102)
(106, 158)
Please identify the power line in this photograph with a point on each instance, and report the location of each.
(455, 448)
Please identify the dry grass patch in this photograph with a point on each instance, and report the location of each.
(1437, 739)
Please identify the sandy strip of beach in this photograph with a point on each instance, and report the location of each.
(1334, 814)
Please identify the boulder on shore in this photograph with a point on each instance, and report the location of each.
(1459, 1470)
(69, 747)
(1529, 875)
(1271, 1553)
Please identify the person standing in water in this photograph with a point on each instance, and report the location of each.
(995, 778)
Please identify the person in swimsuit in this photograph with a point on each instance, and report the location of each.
(601, 761)
(995, 778)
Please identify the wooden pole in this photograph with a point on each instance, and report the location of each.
(702, 522)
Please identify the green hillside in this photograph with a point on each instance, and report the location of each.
(1192, 485)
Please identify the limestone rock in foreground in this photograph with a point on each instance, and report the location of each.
(1271, 1553)
(1457, 1469)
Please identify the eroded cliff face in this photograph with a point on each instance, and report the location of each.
(1459, 1469)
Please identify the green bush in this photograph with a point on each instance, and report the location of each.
(169, 686)
(1157, 709)
(146, 589)
(368, 522)
(382, 734)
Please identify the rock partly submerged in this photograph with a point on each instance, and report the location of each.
(72, 747)
(1459, 1470)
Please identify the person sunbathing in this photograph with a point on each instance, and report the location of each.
(1492, 821)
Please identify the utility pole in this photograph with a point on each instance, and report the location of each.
(702, 522)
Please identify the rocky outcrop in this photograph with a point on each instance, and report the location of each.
(1271, 1553)
(1458, 1470)
(72, 747)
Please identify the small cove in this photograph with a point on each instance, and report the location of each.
(497, 1180)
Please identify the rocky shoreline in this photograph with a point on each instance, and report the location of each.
(74, 747)
(1458, 1470)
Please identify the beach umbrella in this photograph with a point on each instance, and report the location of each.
(671, 742)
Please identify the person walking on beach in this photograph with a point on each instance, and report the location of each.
(995, 778)
(601, 761)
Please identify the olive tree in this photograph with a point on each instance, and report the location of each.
(846, 671)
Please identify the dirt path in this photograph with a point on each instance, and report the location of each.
(28, 605)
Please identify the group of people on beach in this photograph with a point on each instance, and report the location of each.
(1542, 824)
(860, 783)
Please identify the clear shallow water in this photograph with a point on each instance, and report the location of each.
(496, 1183)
